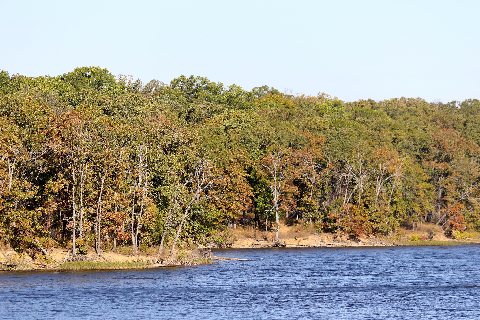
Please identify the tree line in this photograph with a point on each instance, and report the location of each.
(90, 160)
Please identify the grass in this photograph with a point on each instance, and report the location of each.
(102, 265)
(422, 242)
(466, 235)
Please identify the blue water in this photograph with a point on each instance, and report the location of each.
(363, 283)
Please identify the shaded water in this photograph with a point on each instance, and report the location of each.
(349, 283)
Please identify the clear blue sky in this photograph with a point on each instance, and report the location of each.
(347, 48)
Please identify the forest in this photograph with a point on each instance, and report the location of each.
(92, 161)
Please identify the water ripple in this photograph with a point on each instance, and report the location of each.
(351, 283)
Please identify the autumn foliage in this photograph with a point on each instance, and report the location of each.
(90, 160)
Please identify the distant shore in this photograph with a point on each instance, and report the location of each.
(295, 237)
(331, 242)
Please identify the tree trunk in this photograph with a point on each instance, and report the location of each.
(11, 169)
(140, 182)
(132, 225)
(165, 230)
(80, 218)
(74, 212)
(179, 231)
(276, 195)
(142, 210)
(162, 243)
(187, 210)
(199, 180)
(98, 244)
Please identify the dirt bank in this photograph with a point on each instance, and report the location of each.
(301, 236)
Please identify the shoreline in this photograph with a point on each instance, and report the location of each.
(360, 244)
(146, 262)
(61, 260)
(291, 237)
(299, 236)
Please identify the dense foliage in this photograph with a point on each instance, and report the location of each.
(91, 160)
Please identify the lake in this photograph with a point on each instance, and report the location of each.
(329, 283)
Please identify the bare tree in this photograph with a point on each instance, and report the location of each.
(139, 192)
(98, 220)
(196, 184)
(275, 166)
